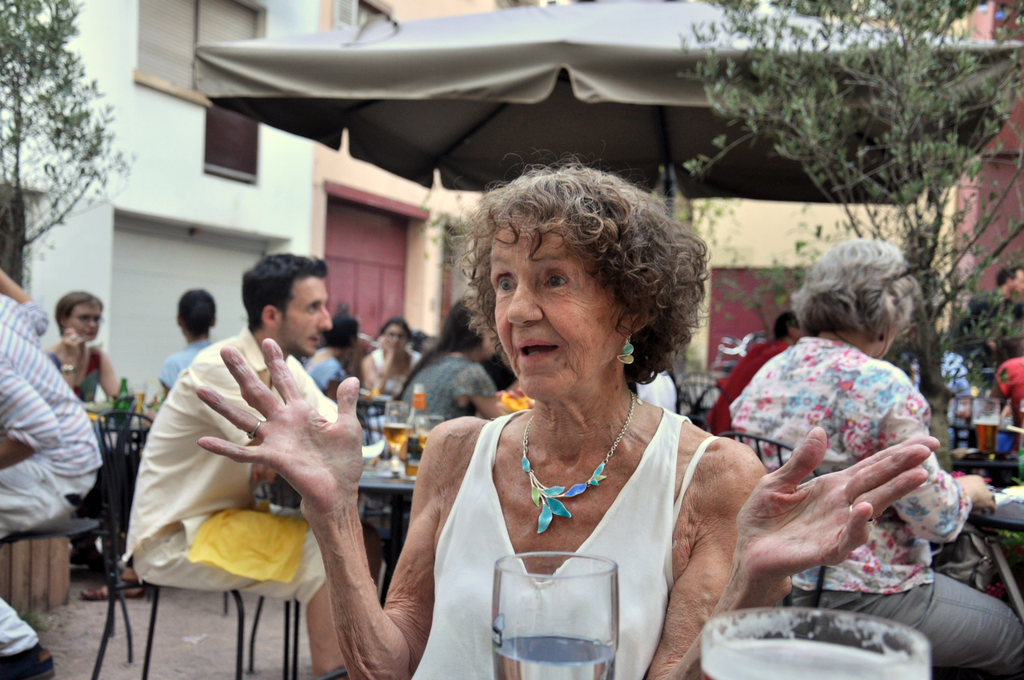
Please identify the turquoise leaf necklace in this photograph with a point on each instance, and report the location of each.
(546, 497)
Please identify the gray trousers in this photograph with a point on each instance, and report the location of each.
(966, 628)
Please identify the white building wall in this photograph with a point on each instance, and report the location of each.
(163, 138)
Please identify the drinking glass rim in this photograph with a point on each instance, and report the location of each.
(918, 642)
(611, 567)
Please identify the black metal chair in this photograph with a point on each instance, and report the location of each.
(696, 394)
(766, 448)
(121, 435)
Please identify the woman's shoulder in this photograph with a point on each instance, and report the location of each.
(724, 460)
(457, 439)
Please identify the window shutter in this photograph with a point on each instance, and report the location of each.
(225, 21)
(346, 13)
(167, 39)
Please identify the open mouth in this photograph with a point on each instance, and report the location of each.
(530, 350)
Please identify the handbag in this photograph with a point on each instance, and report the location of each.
(976, 559)
(969, 559)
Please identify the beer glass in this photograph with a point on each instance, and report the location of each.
(555, 616)
(809, 644)
(985, 418)
(396, 427)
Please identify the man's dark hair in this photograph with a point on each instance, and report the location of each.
(783, 323)
(197, 311)
(344, 330)
(1005, 274)
(270, 283)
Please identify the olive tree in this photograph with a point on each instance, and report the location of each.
(55, 141)
(892, 114)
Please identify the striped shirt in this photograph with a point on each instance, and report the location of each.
(37, 408)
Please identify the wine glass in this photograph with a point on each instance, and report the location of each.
(555, 615)
(805, 644)
(396, 427)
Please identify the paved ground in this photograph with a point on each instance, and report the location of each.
(193, 637)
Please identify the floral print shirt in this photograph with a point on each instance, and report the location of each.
(864, 405)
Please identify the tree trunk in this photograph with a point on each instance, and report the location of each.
(12, 237)
(933, 387)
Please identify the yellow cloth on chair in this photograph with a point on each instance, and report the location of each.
(251, 544)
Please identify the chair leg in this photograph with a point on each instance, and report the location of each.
(152, 629)
(240, 651)
(127, 626)
(252, 636)
(295, 642)
(108, 632)
(287, 636)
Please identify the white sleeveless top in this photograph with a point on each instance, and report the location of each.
(635, 532)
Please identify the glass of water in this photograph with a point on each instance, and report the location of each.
(809, 644)
(555, 616)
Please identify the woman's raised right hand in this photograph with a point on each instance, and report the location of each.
(320, 459)
(71, 341)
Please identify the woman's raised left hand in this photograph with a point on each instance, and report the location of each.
(788, 525)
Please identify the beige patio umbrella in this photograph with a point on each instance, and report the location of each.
(478, 97)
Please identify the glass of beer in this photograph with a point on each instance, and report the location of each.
(396, 427)
(799, 643)
(985, 417)
(555, 615)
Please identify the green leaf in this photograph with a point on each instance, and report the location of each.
(545, 519)
(535, 493)
(558, 508)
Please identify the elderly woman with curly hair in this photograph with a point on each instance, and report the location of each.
(589, 285)
(853, 304)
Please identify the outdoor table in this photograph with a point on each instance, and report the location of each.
(1001, 471)
(398, 491)
(1008, 516)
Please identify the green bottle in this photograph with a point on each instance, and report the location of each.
(123, 400)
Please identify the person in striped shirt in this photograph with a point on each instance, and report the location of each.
(48, 455)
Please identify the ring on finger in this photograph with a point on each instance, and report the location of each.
(252, 435)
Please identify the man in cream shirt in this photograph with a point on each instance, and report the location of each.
(180, 486)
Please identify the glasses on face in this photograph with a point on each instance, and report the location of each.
(88, 318)
(396, 336)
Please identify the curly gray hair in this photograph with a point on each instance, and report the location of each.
(859, 285)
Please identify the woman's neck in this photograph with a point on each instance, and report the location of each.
(564, 429)
(869, 345)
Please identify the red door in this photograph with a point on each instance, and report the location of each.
(365, 254)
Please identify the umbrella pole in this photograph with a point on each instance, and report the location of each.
(668, 171)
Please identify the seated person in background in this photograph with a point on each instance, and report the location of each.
(335, 361)
(385, 368)
(854, 302)
(197, 314)
(180, 486)
(786, 334)
(660, 392)
(83, 366)
(455, 384)
(48, 455)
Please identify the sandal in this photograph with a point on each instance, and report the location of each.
(100, 594)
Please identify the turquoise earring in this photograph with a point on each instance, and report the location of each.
(627, 352)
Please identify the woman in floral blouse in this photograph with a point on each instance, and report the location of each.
(853, 304)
